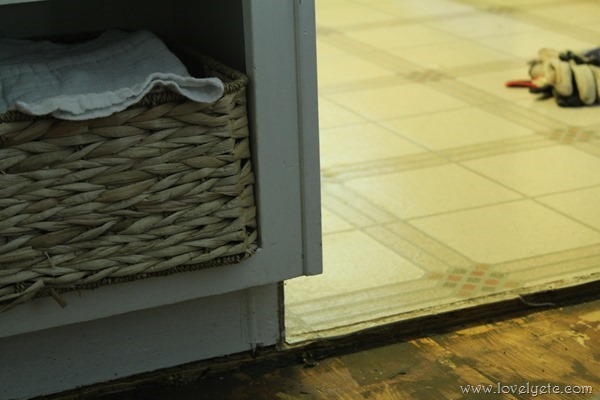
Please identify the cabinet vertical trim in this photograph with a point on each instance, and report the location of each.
(308, 138)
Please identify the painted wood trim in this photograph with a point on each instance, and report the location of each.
(67, 357)
(308, 139)
(112, 300)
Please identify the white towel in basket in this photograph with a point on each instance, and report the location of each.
(95, 78)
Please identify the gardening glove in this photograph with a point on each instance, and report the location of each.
(572, 79)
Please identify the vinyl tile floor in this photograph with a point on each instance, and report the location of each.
(439, 184)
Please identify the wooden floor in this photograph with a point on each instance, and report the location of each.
(550, 348)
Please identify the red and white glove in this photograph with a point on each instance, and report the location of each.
(572, 79)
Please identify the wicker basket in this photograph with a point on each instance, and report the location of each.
(162, 187)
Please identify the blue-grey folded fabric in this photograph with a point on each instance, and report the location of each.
(95, 78)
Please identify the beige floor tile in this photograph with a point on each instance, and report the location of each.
(526, 45)
(338, 314)
(370, 299)
(348, 70)
(506, 232)
(494, 83)
(326, 51)
(581, 205)
(517, 3)
(456, 128)
(333, 198)
(419, 9)
(581, 116)
(395, 101)
(332, 3)
(333, 16)
(554, 273)
(429, 191)
(477, 25)
(450, 55)
(393, 37)
(374, 215)
(353, 262)
(332, 223)
(569, 13)
(594, 27)
(541, 171)
(361, 143)
(331, 115)
(368, 319)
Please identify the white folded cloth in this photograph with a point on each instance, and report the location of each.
(95, 78)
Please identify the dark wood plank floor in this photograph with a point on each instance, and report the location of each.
(550, 349)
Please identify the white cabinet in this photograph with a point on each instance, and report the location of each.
(160, 322)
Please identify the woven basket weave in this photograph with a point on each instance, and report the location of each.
(162, 187)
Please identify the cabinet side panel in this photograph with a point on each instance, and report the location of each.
(64, 358)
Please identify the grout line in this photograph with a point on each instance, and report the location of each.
(422, 248)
